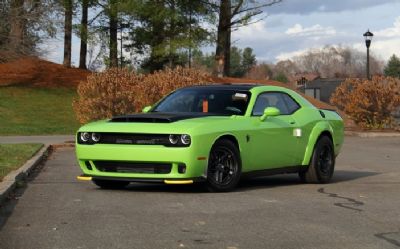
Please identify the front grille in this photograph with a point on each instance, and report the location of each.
(131, 138)
(133, 167)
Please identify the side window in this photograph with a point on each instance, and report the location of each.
(281, 101)
(292, 105)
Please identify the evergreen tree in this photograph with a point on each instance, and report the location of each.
(168, 32)
(281, 77)
(249, 59)
(393, 67)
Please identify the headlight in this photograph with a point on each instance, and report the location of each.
(173, 139)
(85, 136)
(95, 137)
(185, 139)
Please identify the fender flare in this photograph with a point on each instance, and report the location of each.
(316, 132)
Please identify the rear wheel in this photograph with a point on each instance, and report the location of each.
(110, 184)
(322, 163)
(224, 166)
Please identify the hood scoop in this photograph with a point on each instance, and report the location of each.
(157, 117)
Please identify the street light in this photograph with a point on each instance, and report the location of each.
(368, 38)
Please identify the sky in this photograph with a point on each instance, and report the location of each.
(294, 26)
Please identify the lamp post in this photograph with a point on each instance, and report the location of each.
(368, 38)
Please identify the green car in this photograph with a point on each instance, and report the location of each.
(215, 134)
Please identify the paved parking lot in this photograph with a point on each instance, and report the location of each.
(360, 209)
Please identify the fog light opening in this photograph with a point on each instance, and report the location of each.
(181, 168)
(88, 165)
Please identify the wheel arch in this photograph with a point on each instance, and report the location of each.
(229, 137)
(319, 130)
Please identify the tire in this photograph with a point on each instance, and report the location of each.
(110, 184)
(322, 164)
(224, 166)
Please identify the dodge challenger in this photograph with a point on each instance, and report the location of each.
(216, 134)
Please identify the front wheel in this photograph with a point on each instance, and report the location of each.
(110, 184)
(224, 166)
(322, 163)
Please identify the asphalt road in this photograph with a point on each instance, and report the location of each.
(360, 209)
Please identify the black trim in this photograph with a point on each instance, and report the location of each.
(274, 171)
(133, 139)
(226, 86)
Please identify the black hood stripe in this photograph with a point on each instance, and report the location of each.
(154, 117)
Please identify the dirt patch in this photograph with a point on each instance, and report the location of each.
(33, 71)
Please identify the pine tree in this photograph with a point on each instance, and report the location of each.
(393, 67)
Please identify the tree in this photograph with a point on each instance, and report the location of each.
(233, 15)
(392, 68)
(335, 61)
(112, 12)
(23, 25)
(68, 12)
(249, 59)
(83, 34)
(281, 77)
(17, 25)
(370, 103)
(167, 32)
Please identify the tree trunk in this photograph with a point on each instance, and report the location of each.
(113, 16)
(84, 34)
(222, 54)
(17, 27)
(67, 32)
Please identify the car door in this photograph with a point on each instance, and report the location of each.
(274, 143)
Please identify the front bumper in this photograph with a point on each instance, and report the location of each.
(144, 180)
(194, 158)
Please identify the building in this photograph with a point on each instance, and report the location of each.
(320, 88)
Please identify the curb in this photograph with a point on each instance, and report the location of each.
(10, 181)
(372, 134)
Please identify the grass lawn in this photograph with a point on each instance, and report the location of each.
(13, 156)
(36, 111)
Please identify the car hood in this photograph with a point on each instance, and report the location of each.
(160, 123)
(155, 117)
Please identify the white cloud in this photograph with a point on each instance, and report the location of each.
(290, 55)
(390, 32)
(315, 31)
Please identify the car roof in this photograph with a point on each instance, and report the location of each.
(226, 86)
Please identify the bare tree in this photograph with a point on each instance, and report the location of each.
(233, 15)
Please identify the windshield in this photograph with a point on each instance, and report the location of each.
(222, 102)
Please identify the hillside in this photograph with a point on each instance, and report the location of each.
(32, 71)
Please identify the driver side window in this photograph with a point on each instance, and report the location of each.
(281, 101)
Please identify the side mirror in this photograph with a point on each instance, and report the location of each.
(270, 112)
(146, 109)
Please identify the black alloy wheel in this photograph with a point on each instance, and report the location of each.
(322, 163)
(224, 166)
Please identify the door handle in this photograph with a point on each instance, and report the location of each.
(292, 122)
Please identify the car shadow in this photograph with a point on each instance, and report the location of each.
(293, 179)
(244, 185)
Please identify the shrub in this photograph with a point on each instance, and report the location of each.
(120, 91)
(369, 102)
